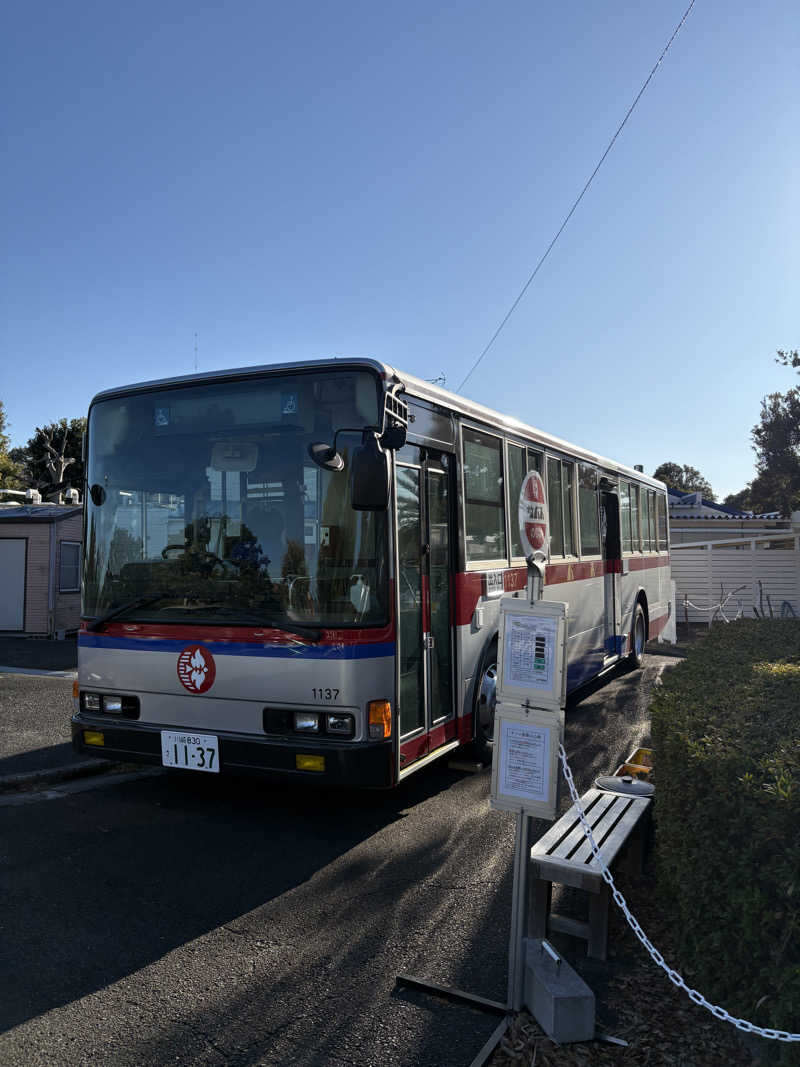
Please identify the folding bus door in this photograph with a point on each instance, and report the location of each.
(611, 543)
(425, 635)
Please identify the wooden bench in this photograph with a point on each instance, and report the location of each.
(564, 855)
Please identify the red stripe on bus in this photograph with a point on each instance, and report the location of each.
(412, 750)
(644, 563)
(557, 573)
(469, 587)
(244, 634)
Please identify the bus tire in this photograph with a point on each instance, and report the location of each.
(638, 636)
(485, 702)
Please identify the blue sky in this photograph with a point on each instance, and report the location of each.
(291, 181)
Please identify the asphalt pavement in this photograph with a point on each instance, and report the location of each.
(36, 679)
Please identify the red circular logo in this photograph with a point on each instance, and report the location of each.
(533, 523)
(196, 669)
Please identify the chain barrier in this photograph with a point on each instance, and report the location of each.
(619, 900)
(720, 606)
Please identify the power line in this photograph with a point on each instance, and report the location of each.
(549, 248)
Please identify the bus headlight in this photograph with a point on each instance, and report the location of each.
(112, 704)
(306, 722)
(91, 701)
(341, 725)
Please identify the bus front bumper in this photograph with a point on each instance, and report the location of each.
(356, 764)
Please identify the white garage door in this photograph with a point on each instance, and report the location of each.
(12, 583)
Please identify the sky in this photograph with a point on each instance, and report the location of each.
(249, 183)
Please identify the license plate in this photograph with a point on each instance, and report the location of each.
(190, 752)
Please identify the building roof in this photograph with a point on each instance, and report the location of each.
(38, 512)
(710, 509)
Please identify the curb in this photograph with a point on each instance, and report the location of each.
(71, 673)
(671, 650)
(10, 783)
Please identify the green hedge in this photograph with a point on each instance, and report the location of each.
(726, 741)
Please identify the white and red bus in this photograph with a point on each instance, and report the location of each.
(295, 570)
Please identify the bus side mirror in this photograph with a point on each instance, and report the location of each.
(394, 438)
(369, 485)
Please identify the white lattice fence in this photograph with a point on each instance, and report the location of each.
(745, 576)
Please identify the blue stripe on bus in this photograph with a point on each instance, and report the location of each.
(241, 648)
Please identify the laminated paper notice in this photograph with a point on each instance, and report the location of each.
(524, 761)
(529, 651)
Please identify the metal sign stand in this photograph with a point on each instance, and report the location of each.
(529, 731)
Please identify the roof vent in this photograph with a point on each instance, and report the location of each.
(639, 467)
(33, 496)
(72, 496)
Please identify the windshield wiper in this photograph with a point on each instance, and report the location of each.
(313, 633)
(140, 602)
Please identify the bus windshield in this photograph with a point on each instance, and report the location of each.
(204, 506)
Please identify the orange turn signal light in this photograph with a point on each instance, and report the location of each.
(75, 689)
(380, 719)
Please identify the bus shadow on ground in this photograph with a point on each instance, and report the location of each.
(106, 882)
(438, 908)
(455, 933)
(48, 757)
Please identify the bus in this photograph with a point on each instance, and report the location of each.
(295, 570)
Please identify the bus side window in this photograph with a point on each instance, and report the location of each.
(636, 540)
(661, 512)
(587, 511)
(484, 496)
(535, 461)
(646, 544)
(625, 515)
(559, 502)
(554, 506)
(567, 479)
(516, 476)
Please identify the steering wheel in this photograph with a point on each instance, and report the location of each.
(172, 548)
(204, 554)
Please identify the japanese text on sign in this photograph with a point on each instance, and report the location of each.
(525, 761)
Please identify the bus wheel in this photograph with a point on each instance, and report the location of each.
(638, 636)
(485, 703)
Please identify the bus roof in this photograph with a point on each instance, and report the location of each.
(417, 387)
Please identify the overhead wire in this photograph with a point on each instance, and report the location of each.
(583, 191)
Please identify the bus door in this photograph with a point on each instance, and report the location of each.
(612, 570)
(425, 539)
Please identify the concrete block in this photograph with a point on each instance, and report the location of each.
(556, 995)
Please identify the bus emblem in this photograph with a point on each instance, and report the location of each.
(196, 669)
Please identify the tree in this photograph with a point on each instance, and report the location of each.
(776, 441)
(687, 479)
(9, 470)
(740, 500)
(53, 457)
